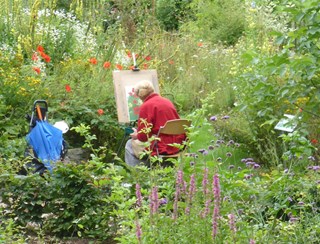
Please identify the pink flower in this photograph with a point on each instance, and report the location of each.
(35, 57)
(138, 195)
(216, 210)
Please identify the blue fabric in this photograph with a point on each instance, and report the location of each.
(46, 141)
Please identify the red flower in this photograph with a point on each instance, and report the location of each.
(68, 88)
(107, 65)
(145, 66)
(129, 54)
(119, 66)
(314, 141)
(100, 111)
(46, 58)
(35, 57)
(135, 101)
(37, 69)
(171, 61)
(200, 44)
(93, 61)
(40, 49)
(148, 58)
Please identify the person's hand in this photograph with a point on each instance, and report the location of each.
(134, 134)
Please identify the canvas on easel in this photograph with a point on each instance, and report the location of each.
(127, 103)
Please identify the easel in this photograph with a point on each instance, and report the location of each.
(128, 130)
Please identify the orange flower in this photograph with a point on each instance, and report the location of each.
(40, 49)
(37, 69)
(129, 54)
(200, 44)
(100, 111)
(93, 60)
(35, 57)
(68, 88)
(148, 58)
(145, 66)
(107, 65)
(171, 61)
(46, 58)
(119, 66)
(131, 67)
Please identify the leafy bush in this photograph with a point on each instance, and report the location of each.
(218, 21)
(172, 14)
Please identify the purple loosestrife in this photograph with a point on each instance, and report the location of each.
(191, 192)
(138, 231)
(216, 210)
(205, 183)
(179, 185)
(154, 201)
(206, 208)
(138, 195)
(232, 223)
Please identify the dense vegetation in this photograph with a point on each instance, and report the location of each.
(233, 67)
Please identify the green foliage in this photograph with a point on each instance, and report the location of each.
(172, 13)
(281, 80)
(219, 21)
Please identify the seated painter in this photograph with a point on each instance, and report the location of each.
(154, 112)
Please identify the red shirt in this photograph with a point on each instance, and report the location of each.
(155, 111)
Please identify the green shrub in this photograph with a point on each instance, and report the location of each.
(218, 21)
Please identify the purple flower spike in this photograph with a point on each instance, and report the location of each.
(213, 118)
(226, 117)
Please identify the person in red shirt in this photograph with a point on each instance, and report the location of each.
(154, 112)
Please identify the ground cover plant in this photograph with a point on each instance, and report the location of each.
(234, 72)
